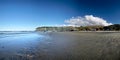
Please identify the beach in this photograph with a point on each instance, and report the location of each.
(60, 46)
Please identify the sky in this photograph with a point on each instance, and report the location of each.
(18, 15)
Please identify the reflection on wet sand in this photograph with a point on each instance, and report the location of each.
(19, 45)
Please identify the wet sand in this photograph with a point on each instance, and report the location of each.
(61, 46)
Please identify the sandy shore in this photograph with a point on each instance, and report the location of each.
(84, 45)
(62, 46)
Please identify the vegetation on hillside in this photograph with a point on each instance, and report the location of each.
(115, 27)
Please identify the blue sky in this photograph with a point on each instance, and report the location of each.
(29, 14)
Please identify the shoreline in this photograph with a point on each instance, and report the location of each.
(99, 31)
(78, 31)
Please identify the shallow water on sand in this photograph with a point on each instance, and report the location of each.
(19, 45)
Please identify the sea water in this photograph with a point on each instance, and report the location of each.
(18, 44)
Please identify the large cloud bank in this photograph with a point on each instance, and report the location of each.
(87, 20)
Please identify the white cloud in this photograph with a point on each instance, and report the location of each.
(87, 20)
